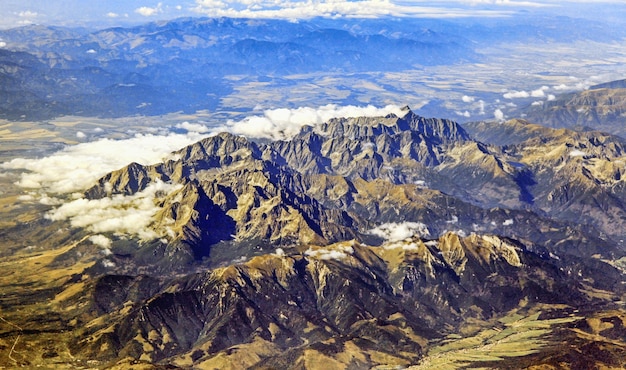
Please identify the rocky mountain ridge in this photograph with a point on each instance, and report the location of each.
(339, 180)
(348, 303)
(355, 243)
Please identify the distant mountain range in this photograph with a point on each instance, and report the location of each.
(601, 107)
(180, 65)
(188, 64)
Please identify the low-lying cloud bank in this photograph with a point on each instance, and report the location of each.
(78, 167)
(49, 180)
(128, 215)
(284, 123)
(302, 9)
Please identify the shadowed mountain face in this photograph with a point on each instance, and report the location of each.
(355, 243)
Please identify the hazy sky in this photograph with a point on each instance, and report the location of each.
(14, 13)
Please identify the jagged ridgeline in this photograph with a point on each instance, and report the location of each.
(562, 191)
(359, 242)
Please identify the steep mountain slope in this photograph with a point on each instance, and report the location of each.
(573, 176)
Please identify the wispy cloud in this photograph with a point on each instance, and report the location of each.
(498, 115)
(148, 11)
(332, 252)
(100, 240)
(77, 167)
(516, 94)
(337, 8)
(26, 17)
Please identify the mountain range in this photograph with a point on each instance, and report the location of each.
(391, 241)
(191, 64)
(181, 65)
(359, 242)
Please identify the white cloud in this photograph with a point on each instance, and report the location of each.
(481, 107)
(108, 264)
(130, 215)
(465, 114)
(516, 94)
(498, 115)
(78, 167)
(400, 231)
(27, 14)
(47, 200)
(540, 92)
(302, 9)
(453, 220)
(100, 240)
(91, 51)
(80, 135)
(3, 44)
(192, 127)
(148, 12)
(281, 123)
(112, 15)
(26, 198)
(551, 97)
(331, 252)
(468, 99)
